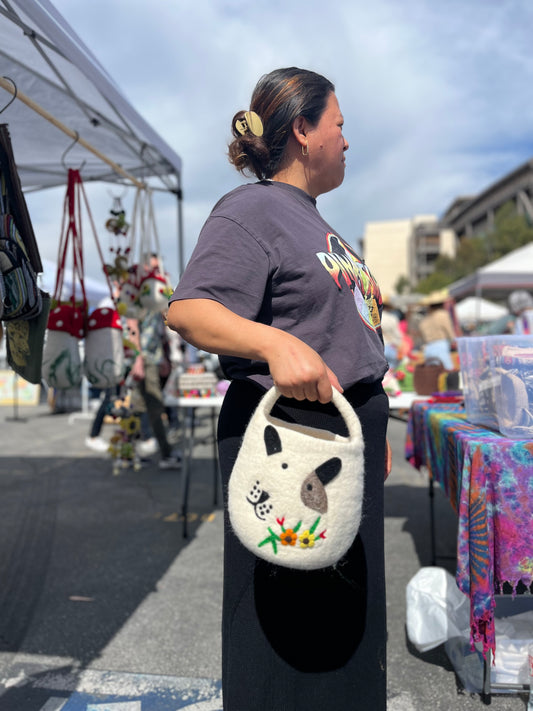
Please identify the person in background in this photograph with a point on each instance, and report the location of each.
(521, 306)
(437, 332)
(283, 299)
(173, 363)
(94, 440)
(392, 335)
(147, 396)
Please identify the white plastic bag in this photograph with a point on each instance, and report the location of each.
(436, 609)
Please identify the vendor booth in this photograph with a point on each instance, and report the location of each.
(64, 122)
(480, 452)
(56, 97)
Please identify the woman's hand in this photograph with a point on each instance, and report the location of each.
(299, 372)
(137, 369)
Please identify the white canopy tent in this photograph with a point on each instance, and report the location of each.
(497, 279)
(63, 100)
(475, 309)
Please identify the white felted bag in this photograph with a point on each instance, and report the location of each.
(61, 368)
(104, 350)
(154, 292)
(295, 493)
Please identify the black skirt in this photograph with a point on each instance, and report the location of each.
(298, 640)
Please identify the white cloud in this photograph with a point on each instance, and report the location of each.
(435, 95)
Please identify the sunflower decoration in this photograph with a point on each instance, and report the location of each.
(131, 425)
(122, 448)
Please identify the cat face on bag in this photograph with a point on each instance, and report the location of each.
(282, 485)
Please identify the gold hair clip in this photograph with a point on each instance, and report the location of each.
(250, 122)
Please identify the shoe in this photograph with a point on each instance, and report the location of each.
(147, 446)
(170, 463)
(97, 444)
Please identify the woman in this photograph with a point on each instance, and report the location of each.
(273, 290)
(437, 332)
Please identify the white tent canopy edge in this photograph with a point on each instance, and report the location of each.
(498, 278)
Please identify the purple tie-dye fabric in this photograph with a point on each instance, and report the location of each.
(488, 479)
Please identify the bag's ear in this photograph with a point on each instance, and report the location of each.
(272, 440)
(328, 471)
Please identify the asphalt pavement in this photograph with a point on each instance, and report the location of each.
(104, 606)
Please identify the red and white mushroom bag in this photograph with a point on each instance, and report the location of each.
(104, 350)
(154, 292)
(61, 352)
(295, 493)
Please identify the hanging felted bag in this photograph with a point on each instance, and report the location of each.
(61, 353)
(154, 288)
(104, 350)
(154, 292)
(295, 493)
(20, 297)
(62, 368)
(24, 343)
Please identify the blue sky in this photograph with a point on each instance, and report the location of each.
(436, 96)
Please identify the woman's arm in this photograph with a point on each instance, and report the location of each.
(297, 370)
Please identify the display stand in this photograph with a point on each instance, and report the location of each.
(15, 417)
(190, 406)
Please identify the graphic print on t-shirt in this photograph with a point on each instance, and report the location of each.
(343, 265)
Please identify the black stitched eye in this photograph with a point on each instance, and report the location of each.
(284, 465)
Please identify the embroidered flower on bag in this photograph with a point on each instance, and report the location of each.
(288, 537)
(307, 540)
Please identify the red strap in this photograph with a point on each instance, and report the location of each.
(71, 240)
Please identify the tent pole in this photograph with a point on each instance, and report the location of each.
(61, 126)
(179, 196)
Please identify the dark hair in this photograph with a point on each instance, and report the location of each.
(279, 98)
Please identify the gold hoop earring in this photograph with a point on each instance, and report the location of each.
(305, 150)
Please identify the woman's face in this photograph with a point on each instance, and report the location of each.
(327, 145)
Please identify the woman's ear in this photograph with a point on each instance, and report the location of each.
(299, 129)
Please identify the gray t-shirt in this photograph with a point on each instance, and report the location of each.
(266, 254)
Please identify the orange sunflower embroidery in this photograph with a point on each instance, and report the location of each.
(288, 537)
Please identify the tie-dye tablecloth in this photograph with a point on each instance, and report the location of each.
(488, 479)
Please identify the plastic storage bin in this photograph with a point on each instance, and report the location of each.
(478, 379)
(511, 360)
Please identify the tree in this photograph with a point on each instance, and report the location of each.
(510, 232)
(403, 285)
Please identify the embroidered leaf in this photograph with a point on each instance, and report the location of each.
(271, 539)
(313, 527)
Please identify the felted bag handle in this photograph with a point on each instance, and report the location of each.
(338, 399)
